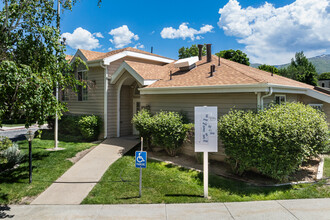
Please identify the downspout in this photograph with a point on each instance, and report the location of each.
(267, 95)
(105, 95)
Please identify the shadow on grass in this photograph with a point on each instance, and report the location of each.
(183, 195)
(47, 134)
(130, 197)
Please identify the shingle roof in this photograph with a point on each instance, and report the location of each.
(228, 73)
(147, 71)
(92, 55)
(68, 57)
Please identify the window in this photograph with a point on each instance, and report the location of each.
(279, 99)
(83, 90)
(317, 106)
(65, 94)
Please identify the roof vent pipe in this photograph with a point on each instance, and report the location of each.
(200, 51)
(208, 52)
(219, 60)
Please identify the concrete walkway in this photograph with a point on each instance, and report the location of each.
(75, 184)
(282, 209)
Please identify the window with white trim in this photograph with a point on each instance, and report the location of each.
(280, 99)
(83, 90)
(316, 106)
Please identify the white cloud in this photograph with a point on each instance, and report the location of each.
(273, 35)
(122, 36)
(98, 34)
(185, 32)
(139, 46)
(81, 38)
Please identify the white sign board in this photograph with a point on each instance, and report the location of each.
(206, 129)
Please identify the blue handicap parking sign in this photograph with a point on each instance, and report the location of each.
(140, 159)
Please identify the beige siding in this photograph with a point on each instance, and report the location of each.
(186, 102)
(113, 90)
(94, 104)
(289, 98)
(126, 111)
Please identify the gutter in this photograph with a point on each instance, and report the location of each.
(105, 102)
(267, 95)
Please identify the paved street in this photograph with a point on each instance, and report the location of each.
(283, 209)
(17, 134)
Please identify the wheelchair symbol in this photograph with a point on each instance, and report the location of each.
(139, 158)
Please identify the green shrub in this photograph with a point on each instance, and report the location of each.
(143, 122)
(5, 143)
(169, 131)
(275, 141)
(12, 155)
(89, 127)
(83, 127)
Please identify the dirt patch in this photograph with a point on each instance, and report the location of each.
(306, 172)
(27, 200)
(80, 155)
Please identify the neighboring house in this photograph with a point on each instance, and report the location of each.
(128, 79)
(324, 83)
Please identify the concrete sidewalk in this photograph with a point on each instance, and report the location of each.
(75, 184)
(282, 209)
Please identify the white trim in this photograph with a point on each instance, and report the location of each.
(105, 101)
(118, 105)
(265, 96)
(78, 54)
(148, 82)
(206, 89)
(125, 67)
(121, 70)
(235, 89)
(120, 55)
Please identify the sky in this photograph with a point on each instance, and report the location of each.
(268, 32)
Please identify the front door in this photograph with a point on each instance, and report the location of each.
(136, 109)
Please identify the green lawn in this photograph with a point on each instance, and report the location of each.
(164, 183)
(13, 125)
(47, 167)
(326, 169)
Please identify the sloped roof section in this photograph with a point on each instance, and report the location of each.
(228, 73)
(92, 55)
(147, 71)
(68, 57)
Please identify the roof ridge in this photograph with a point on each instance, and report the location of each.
(258, 80)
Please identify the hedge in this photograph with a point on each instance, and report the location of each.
(275, 141)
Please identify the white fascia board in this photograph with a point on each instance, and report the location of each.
(125, 67)
(136, 55)
(318, 95)
(148, 82)
(186, 62)
(78, 54)
(207, 89)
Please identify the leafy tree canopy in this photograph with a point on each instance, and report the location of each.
(324, 76)
(268, 68)
(185, 52)
(32, 60)
(300, 69)
(234, 55)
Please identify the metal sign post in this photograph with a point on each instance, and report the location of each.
(140, 162)
(206, 137)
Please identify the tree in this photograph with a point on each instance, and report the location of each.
(300, 69)
(268, 68)
(323, 76)
(185, 52)
(234, 55)
(32, 60)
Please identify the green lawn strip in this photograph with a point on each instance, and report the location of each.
(47, 167)
(164, 183)
(326, 168)
(12, 125)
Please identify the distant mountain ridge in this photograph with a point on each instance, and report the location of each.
(321, 63)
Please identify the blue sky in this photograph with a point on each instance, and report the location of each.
(268, 32)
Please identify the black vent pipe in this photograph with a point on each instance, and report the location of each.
(208, 52)
(200, 50)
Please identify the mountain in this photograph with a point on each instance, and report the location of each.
(321, 63)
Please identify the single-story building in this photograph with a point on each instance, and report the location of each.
(128, 79)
